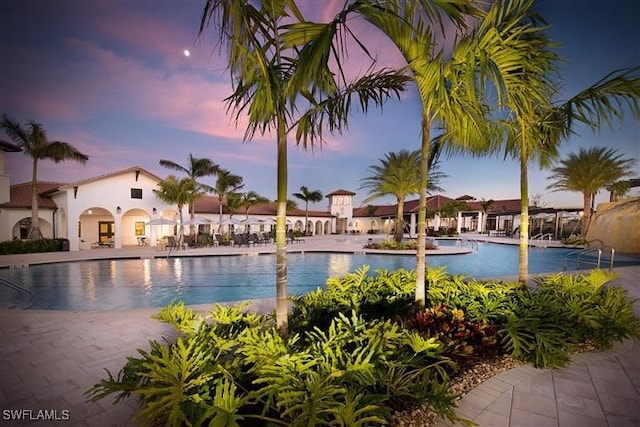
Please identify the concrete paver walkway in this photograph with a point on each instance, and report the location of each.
(49, 359)
(597, 389)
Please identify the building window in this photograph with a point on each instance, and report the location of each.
(139, 228)
(136, 193)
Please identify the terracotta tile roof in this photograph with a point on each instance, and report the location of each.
(465, 198)
(211, 205)
(116, 173)
(433, 203)
(20, 195)
(341, 192)
(381, 210)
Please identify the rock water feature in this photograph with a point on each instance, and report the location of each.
(617, 224)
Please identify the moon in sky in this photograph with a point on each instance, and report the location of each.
(187, 53)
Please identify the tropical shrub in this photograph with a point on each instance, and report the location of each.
(463, 340)
(359, 350)
(597, 313)
(31, 246)
(381, 296)
(394, 245)
(231, 367)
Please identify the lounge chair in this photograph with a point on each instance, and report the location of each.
(172, 243)
(293, 239)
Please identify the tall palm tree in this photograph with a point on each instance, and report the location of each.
(178, 191)
(486, 206)
(451, 84)
(449, 210)
(587, 172)
(233, 202)
(250, 199)
(32, 138)
(267, 85)
(226, 183)
(307, 196)
(397, 174)
(195, 168)
(536, 133)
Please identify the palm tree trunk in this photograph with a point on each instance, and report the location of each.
(586, 215)
(399, 229)
(306, 218)
(34, 232)
(523, 254)
(282, 303)
(192, 215)
(421, 252)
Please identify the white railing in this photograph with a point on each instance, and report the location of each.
(542, 240)
(470, 241)
(581, 256)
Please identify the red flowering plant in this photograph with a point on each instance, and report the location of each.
(464, 341)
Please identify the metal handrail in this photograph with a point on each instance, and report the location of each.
(16, 287)
(460, 241)
(539, 238)
(581, 253)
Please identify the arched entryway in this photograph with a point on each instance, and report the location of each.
(96, 228)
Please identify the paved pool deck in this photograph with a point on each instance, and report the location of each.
(48, 359)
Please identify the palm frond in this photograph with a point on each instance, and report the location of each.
(605, 100)
(333, 112)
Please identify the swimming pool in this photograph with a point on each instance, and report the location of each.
(137, 283)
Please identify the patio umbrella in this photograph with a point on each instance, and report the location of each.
(161, 221)
(197, 221)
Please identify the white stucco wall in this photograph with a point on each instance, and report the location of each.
(102, 197)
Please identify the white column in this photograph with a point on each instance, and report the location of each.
(459, 223)
(412, 224)
(480, 223)
(436, 222)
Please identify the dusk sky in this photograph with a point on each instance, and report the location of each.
(112, 78)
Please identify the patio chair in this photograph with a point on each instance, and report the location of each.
(237, 240)
(172, 243)
(189, 242)
(293, 239)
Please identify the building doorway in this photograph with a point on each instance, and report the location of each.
(106, 231)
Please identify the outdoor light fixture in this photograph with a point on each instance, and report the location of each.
(154, 210)
(118, 210)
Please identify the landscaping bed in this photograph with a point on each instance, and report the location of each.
(361, 353)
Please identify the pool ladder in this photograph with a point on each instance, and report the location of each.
(23, 293)
(470, 241)
(542, 240)
(580, 254)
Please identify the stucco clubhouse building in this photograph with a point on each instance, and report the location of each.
(117, 208)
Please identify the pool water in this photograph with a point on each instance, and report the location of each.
(136, 283)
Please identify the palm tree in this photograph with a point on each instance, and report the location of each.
(587, 172)
(250, 199)
(307, 196)
(226, 184)
(486, 206)
(196, 168)
(32, 138)
(233, 202)
(180, 192)
(451, 85)
(397, 174)
(449, 210)
(536, 132)
(267, 84)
